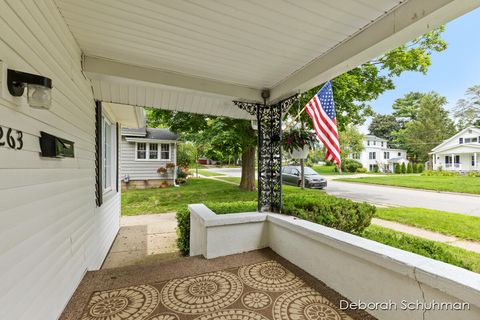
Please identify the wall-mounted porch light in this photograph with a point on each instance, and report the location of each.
(39, 88)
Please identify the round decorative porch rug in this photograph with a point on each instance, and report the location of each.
(260, 291)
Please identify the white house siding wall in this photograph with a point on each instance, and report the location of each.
(141, 170)
(50, 231)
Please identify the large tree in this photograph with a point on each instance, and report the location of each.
(467, 110)
(406, 108)
(384, 126)
(351, 141)
(431, 126)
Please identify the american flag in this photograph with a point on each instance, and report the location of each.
(321, 110)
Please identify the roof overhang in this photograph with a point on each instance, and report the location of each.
(138, 139)
(461, 148)
(127, 115)
(198, 56)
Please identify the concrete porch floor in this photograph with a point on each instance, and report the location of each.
(143, 238)
(258, 285)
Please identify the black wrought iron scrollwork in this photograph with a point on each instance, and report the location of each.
(269, 118)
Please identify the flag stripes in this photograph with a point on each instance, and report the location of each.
(321, 109)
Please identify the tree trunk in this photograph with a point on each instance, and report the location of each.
(247, 182)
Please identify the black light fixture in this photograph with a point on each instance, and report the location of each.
(39, 89)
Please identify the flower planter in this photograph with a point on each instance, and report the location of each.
(300, 153)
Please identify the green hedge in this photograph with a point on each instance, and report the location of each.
(427, 248)
(440, 173)
(341, 214)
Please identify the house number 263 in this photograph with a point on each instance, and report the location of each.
(12, 138)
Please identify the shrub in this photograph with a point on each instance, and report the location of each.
(318, 207)
(415, 168)
(474, 174)
(350, 165)
(420, 168)
(440, 173)
(409, 168)
(362, 170)
(376, 169)
(404, 168)
(186, 154)
(398, 170)
(330, 211)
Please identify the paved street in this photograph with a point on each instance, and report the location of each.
(382, 195)
(391, 196)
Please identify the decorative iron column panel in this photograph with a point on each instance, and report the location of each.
(269, 118)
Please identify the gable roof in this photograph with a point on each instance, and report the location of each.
(372, 137)
(444, 142)
(150, 133)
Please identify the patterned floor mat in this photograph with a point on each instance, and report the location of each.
(260, 291)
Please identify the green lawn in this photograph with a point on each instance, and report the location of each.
(230, 179)
(452, 224)
(157, 200)
(197, 190)
(207, 173)
(325, 170)
(453, 184)
(431, 249)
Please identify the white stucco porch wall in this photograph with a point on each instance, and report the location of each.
(358, 268)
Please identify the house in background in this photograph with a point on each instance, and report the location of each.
(376, 152)
(148, 158)
(459, 153)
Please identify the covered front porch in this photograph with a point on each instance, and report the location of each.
(457, 161)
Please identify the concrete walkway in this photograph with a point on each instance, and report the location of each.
(144, 238)
(430, 235)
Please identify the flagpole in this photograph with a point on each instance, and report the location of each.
(296, 117)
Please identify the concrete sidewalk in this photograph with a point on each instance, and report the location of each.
(430, 235)
(144, 238)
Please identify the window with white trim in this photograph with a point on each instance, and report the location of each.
(372, 155)
(152, 151)
(165, 151)
(141, 150)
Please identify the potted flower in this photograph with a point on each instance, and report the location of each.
(170, 165)
(297, 142)
(162, 170)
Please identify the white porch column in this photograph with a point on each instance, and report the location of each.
(452, 163)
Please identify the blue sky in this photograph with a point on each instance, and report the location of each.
(452, 71)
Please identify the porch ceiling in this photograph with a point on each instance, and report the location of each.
(234, 49)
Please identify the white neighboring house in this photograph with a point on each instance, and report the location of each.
(377, 153)
(144, 151)
(461, 152)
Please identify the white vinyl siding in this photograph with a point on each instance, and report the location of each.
(51, 233)
(145, 169)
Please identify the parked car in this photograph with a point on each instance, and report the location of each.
(291, 175)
